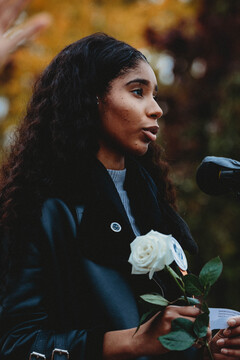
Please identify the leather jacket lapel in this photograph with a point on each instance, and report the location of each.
(143, 199)
(106, 190)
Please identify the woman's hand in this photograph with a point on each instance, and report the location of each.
(11, 38)
(226, 343)
(129, 344)
(160, 324)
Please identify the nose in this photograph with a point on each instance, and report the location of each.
(154, 111)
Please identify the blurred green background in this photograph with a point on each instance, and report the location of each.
(194, 49)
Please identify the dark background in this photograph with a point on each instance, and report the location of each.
(202, 117)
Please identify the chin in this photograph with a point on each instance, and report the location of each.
(140, 151)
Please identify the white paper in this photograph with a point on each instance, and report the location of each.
(219, 317)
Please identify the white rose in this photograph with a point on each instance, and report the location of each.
(150, 253)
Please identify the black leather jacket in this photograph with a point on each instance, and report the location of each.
(74, 282)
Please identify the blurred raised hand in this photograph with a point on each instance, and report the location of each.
(12, 35)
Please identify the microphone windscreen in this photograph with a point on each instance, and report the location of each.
(207, 178)
(208, 174)
(212, 175)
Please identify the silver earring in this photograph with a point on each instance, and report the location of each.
(97, 100)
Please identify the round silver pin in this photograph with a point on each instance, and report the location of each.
(116, 227)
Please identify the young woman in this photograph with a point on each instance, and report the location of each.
(81, 181)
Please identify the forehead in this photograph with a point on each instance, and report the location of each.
(142, 71)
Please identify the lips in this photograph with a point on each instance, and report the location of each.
(151, 132)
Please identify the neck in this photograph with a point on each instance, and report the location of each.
(112, 161)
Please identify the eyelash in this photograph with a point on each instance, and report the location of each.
(139, 92)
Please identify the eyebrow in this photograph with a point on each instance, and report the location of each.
(142, 81)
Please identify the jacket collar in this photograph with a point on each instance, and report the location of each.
(143, 197)
(150, 211)
(105, 190)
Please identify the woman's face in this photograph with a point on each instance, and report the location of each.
(129, 115)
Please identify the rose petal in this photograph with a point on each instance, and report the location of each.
(150, 253)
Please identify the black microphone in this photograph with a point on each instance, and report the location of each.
(218, 175)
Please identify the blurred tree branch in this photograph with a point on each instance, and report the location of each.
(12, 35)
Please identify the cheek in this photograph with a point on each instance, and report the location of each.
(120, 117)
(126, 117)
(122, 108)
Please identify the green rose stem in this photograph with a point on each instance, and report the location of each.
(156, 281)
(177, 280)
(208, 349)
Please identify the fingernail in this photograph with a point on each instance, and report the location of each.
(224, 351)
(220, 342)
(226, 332)
(231, 322)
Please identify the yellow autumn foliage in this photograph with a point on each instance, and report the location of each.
(123, 19)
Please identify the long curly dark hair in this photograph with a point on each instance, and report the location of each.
(58, 137)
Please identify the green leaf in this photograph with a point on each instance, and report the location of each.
(155, 299)
(206, 291)
(205, 308)
(200, 325)
(191, 301)
(193, 285)
(177, 340)
(174, 274)
(211, 272)
(182, 324)
(144, 317)
(177, 270)
(181, 337)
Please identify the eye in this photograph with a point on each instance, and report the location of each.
(138, 92)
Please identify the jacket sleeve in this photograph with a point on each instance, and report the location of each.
(26, 318)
